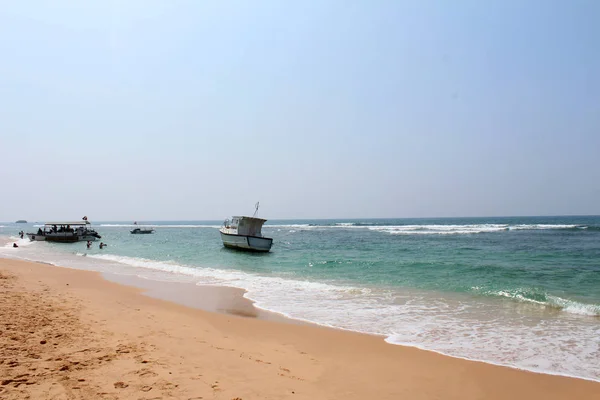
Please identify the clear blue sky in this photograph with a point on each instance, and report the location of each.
(168, 109)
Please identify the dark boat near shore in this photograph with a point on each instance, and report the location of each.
(65, 232)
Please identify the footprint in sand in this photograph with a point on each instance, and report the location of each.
(146, 372)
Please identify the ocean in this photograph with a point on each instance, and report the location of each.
(515, 291)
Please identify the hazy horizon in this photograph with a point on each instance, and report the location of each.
(184, 110)
(141, 222)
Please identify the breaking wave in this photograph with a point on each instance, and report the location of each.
(542, 298)
(433, 229)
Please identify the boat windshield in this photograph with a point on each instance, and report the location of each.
(233, 224)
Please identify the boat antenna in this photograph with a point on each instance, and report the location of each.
(256, 208)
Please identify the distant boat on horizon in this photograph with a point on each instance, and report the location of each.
(141, 231)
(21, 221)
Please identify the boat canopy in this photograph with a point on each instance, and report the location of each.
(249, 226)
(67, 223)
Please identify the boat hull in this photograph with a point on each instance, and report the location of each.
(141, 231)
(61, 238)
(246, 243)
(36, 238)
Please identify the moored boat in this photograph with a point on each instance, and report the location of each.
(245, 233)
(65, 232)
(141, 230)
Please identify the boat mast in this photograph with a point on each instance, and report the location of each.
(256, 209)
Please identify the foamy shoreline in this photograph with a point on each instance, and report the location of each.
(170, 345)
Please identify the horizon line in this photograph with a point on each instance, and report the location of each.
(331, 219)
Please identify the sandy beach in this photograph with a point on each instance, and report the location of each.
(70, 334)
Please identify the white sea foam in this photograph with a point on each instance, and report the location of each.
(540, 227)
(20, 242)
(574, 307)
(439, 229)
(460, 326)
(166, 266)
(429, 229)
(544, 299)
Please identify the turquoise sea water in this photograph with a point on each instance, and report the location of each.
(520, 291)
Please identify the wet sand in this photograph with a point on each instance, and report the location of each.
(70, 334)
(216, 299)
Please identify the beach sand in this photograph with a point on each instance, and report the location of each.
(70, 334)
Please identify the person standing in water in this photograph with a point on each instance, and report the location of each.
(102, 245)
(89, 244)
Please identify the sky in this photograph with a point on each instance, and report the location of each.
(195, 110)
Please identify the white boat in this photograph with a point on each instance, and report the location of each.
(65, 232)
(244, 233)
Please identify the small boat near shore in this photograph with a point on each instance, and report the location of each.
(245, 233)
(65, 232)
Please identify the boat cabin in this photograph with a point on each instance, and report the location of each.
(247, 226)
(64, 227)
